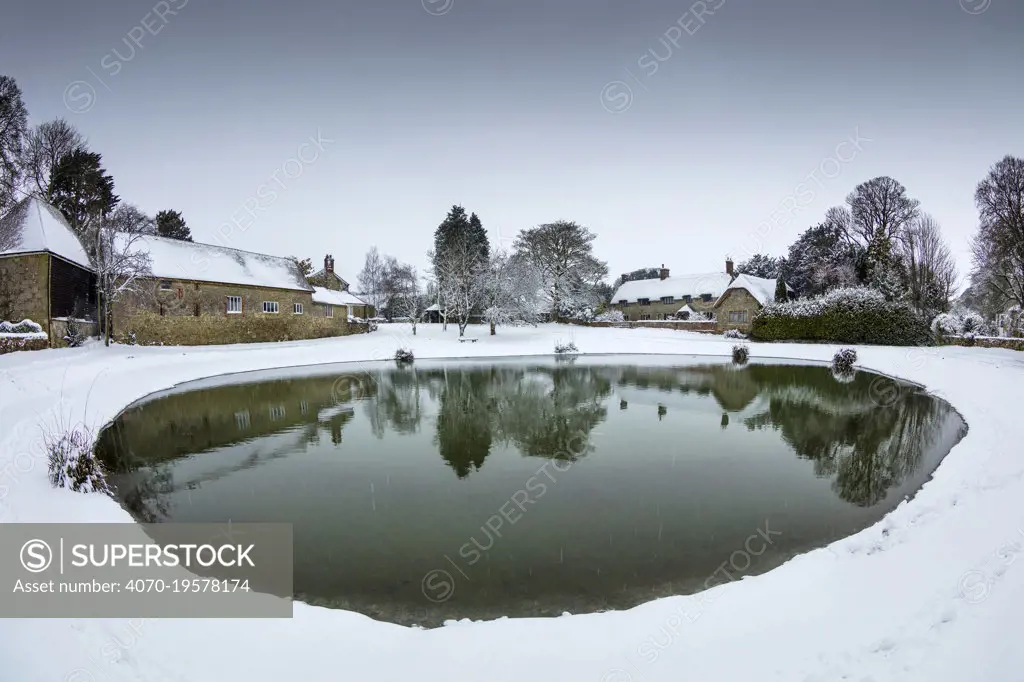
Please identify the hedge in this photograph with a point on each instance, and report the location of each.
(854, 315)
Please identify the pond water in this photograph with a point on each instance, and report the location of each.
(530, 487)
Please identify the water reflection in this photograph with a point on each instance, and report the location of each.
(386, 473)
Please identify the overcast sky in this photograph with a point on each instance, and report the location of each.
(677, 138)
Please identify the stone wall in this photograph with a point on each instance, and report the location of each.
(12, 344)
(24, 289)
(195, 313)
(60, 329)
(736, 300)
(986, 342)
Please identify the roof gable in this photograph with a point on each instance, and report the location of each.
(181, 260)
(33, 225)
(761, 288)
(334, 297)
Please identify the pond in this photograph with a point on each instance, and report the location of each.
(530, 487)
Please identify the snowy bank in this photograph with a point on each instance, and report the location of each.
(932, 592)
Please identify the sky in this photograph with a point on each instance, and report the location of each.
(679, 132)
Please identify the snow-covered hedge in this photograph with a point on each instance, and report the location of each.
(948, 324)
(733, 334)
(24, 335)
(852, 315)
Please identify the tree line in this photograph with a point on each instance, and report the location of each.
(550, 272)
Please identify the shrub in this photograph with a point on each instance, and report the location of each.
(843, 361)
(854, 315)
(610, 316)
(945, 325)
(733, 334)
(403, 356)
(129, 339)
(972, 323)
(72, 463)
(844, 377)
(566, 348)
(740, 354)
(23, 327)
(73, 335)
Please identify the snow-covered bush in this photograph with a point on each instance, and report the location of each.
(614, 316)
(403, 356)
(733, 334)
(72, 463)
(128, 339)
(844, 360)
(740, 354)
(972, 323)
(566, 348)
(73, 335)
(23, 327)
(851, 315)
(946, 324)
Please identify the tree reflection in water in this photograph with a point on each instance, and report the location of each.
(542, 410)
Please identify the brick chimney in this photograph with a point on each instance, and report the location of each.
(663, 273)
(329, 264)
(728, 266)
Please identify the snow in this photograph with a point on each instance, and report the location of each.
(714, 283)
(762, 289)
(33, 225)
(932, 592)
(181, 260)
(332, 297)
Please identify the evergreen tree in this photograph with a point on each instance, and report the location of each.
(13, 131)
(81, 189)
(172, 225)
(761, 265)
(781, 295)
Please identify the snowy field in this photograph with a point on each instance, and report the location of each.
(932, 592)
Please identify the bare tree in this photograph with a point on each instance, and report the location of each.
(119, 263)
(510, 290)
(458, 273)
(879, 210)
(409, 301)
(563, 251)
(931, 270)
(371, 279)
(46, 144)
(998, 248)
(130, 219)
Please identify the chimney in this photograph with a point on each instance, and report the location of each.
(663, 273)
(329, 264)
(728, 266)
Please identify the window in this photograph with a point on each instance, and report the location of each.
(270, 306)
(235, 305)
(668, 299)
(165, 285)
(297, 308)
(739, 316)
(645, 316)
(643, 301)
(623, 301)
(276, 412)
(328, 311)
(688, 298)
(706, 298)
(242, 420)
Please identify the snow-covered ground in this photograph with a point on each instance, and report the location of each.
(932, 592)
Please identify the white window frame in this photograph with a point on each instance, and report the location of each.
(237, 310)
(738, 316)
(328, 310)
(271, 307)
(296, 308)
(669, 300)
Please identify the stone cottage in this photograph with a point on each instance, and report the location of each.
(666, 297)
(742, 299)
(327, 278)
(45, 272)
(205, 294)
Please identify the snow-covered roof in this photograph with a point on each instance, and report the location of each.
(433, 308)
(33, 226)
(760, 288)
(177, 259)
(332, 297)
(686, 309)
(713, 283)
